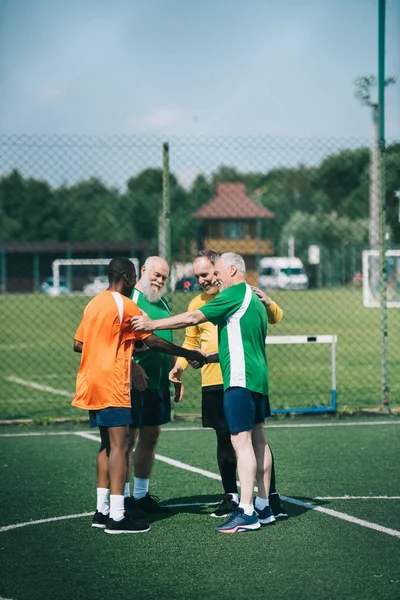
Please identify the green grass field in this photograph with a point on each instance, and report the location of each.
(38, 367)
(341, 541)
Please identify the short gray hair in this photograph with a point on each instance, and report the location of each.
(230, 258)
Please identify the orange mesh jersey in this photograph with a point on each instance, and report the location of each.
(104, 374)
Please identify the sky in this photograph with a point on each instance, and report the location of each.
(193, 67)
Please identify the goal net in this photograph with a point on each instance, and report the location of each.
(86, 276)
(372, 277)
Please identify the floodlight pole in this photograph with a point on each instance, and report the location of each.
(382, 197)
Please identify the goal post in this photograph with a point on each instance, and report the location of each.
(310, 339)
(85, 262)
(371, 278)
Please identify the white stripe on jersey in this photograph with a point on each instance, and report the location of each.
(235, 343)
(120, 305)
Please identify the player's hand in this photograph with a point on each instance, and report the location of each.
(198, 359)
(262, 295)
(179, 391)
(139, 377)
(143, 323)
(175, 374)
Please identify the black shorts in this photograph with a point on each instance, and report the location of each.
(212, 409)
(150, 408)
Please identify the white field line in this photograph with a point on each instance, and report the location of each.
(294, 425)
(40, 521)
(327, 511)
(357, 498)
(210, 475)
(174, 429)
(37, 386)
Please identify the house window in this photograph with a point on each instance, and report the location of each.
(234, 230)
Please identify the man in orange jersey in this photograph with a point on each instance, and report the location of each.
(106, 339)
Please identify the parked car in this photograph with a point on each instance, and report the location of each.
(282, 272)
(48, 288)
(187, 284)
(99, 284)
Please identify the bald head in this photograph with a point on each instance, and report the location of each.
(154, 276)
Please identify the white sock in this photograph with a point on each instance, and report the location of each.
(235, 497)
(127, 490)
(103, 504)
(140, 487)
(261, 503)
(117, 510)
(248, 508)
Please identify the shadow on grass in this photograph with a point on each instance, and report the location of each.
(296, 510)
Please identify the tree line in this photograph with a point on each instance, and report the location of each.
(326, 205)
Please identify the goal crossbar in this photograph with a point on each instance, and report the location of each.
(67, 262)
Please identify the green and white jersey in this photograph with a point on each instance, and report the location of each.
(242, 327)
(156, 364)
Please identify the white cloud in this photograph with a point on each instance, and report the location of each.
(158, 119)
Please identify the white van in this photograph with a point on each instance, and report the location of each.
(282, 272)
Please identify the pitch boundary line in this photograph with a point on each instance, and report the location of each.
(210, 475)
(327, 511)
(175, 429)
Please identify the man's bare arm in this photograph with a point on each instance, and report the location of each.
(157, 343)
(144, 323)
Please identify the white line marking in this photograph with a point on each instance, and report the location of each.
(38, 434)
(40, 521)
(343, 516)
(357, 498)
(294, 425)
(89, 514)
(327, 511)
(186, 467)
(38, 386)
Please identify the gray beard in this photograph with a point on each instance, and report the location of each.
(152, 295)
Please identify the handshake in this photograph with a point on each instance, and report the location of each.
(196, 358)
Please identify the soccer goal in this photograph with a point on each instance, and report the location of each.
(82, 275)
(291, 375)
(371, 278)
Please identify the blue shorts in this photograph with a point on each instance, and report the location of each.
(110, 417)
(150, 408)
(244, 409)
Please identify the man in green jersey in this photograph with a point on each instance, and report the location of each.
(150, 395)
(242, 328)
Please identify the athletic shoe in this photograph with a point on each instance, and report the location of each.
(275, 504)
(150, 504)
(239, 522)
(226, 507)
(132, 511)
(126, 525)
(265, 516)
(99, 520)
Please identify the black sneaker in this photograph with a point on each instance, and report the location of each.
(275, 504)
(126, 525)
(132, 511)
(150, 504)
(99, 520)
(225, 508)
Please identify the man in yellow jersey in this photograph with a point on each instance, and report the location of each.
(205, 336)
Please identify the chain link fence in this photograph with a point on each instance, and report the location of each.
(301, 212)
